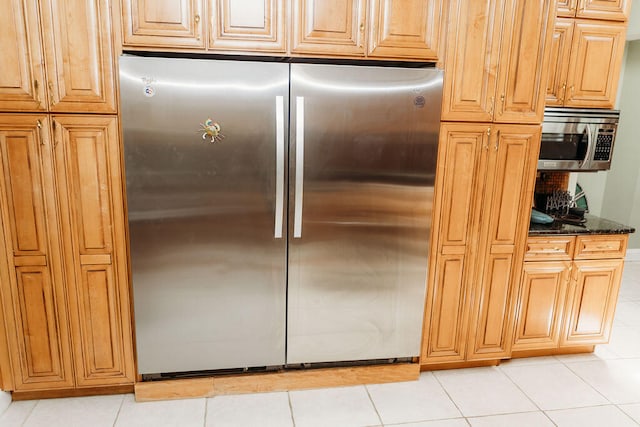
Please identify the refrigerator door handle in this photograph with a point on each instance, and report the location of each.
(277, 233)
(299, 190)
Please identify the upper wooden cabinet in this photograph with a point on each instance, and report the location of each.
(22, 81)
(78, 57)
(163, 23)
(405, 28)
(247, 25)
(497, 59)
(330, 27)
(586, 61)
(616, 10)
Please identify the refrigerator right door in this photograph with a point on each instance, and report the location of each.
(362, 166)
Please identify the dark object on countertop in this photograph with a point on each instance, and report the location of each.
(576, 211)
(593, 225)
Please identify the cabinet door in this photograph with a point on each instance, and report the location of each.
(471, 60)
(90, 189)
(455, 215)
(79, 55)
(524, 61)
(162, 23)
(543, 288)
(566, 8)
(594, 68)
(247, 25)
(33, 288)
(559, 62)
(592, 301)
(329, 27)
(408, 28)
(507, 197)
(616, 10)
(21, 74)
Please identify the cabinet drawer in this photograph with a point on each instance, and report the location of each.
(549, 248)
(607, 246)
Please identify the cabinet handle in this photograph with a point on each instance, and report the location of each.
(361, 34)
(502, 103)
(486, 144)
(571, 88)
(497, 141)
(36, 86)
(50, 85)
(197, 21)
(564, 93)
(38, 131)
(492, 101)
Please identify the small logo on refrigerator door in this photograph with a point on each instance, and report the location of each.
(419, 101)
(149, 91)
(211, 129)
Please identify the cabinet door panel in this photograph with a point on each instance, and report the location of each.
(22, 80)
(88, 163)
(559, 62)
(617, 10)
(593, 296)
(543, 287)
(524, 61)
(79, 54)
(33, 290)
(405, 28)
(247, 25)
(594, 68)
(163, 23)
(473, 44)
(566, 8)
(331, 27)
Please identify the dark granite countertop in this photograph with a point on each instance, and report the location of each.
(593, 225)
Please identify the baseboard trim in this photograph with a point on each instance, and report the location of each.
(632, 255)
(71, 392)
(275, 381)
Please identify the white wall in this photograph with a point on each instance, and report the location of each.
(616, 194)
(633, 30)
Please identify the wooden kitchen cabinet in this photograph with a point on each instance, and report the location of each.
(329, 27)
(400, 29)
(248, 25)
(22, 77)
(163, 23)
(485, 181)
(78, 57)
(568, 291)
(33, 285)
(65, 292)
(87, 156)
(586, 70)
(615, 10)
(496, 60)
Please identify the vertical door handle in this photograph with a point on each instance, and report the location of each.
(297, 213)
(277, 233)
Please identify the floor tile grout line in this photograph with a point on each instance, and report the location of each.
(115, 421)
(293, 420)
(206, 409)
(30, 412)
(375, 408)
(587, 383)
(519, 388)
(617, 405)
(447, 393)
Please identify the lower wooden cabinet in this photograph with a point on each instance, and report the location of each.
(64, 291)
(568, 302)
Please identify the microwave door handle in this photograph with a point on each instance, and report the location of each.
(586, 163)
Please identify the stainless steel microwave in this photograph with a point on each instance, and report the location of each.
(578, 140)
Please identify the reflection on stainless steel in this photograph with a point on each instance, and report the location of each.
(357, 275)
(207, 221)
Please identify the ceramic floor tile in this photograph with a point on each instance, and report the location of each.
(457, 422)
(554, 387)
(263, 409)
(595, 416)
(628, 314)
(529, 361)
(625, 341)
(412, 401)
(166, 413)
(632, 410)
(527, 419)
(602, 352)
(16, 414)
(95, 411)
(342, 406)
(618, 380)
(483, 391)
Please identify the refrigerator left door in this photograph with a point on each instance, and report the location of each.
(204, 144)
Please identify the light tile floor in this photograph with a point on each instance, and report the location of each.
(599, 389)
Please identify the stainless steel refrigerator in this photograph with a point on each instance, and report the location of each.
(295, 232)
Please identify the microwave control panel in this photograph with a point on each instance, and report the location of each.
(604, 144)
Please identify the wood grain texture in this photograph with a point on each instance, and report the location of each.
(277, 381)
(559, 62)
(551, 248)
(616, 10)
(601, 246)
(567, 8)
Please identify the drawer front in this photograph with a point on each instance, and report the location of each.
(604, 246)
(550, 248)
